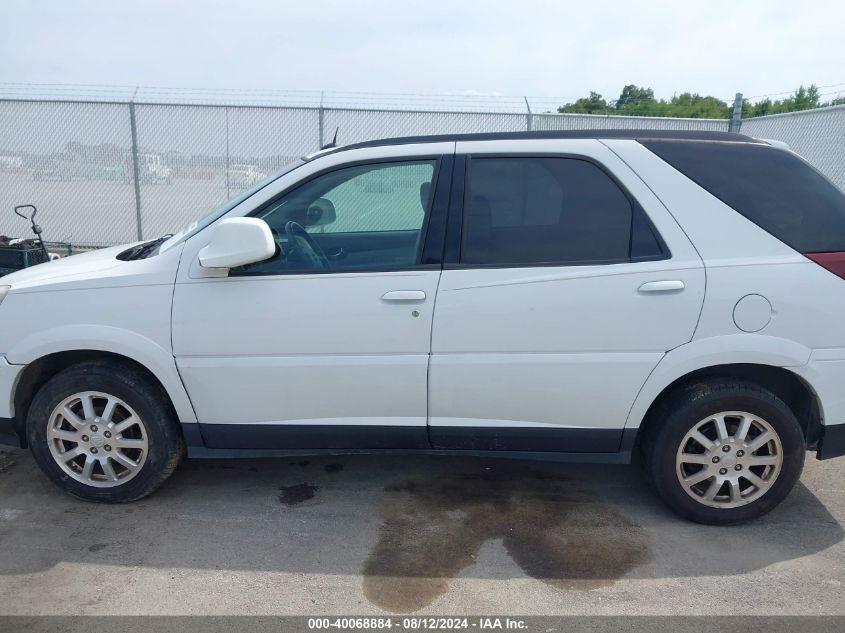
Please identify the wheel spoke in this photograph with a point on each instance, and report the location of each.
(69, 454)
(88, 468)
(742, 431)
(758, 441)
(88, 407)
(108, 412)
(61, 434)
(702, 439)
(71, 417)
(698, 477)
(722, 429)
(108, 469)
(736, 494)
(710, 494)
(125, 424)
(125, 442)
(123, 460)
(754, 479)
(696, 458)
(762, 460)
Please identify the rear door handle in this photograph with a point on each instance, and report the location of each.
(675, 285)
(403, 295)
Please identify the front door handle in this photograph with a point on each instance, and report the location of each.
(675, 285)
(403, 295)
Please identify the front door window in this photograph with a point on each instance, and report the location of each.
(366, 217)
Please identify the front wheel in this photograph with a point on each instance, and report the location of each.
(104, 431)
(724, 452)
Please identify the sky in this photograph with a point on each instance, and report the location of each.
(555, 49)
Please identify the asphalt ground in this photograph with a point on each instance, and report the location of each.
(400, 534)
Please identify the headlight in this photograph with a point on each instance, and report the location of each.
(4, 290)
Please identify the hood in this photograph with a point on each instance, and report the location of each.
(82, 264)
(95, 268)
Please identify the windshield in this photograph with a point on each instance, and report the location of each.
(218, 213)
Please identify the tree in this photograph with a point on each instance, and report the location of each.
(696, 106)
(632, 95)
(594, 104)
(638, 101)
(804, 99)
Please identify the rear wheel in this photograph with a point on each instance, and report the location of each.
(724, 452)
(104, 431)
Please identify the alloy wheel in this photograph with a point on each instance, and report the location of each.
(97, 439)
(729, 459)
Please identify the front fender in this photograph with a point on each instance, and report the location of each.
(68, 338)
(710, 352)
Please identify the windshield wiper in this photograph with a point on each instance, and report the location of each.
(144, 250)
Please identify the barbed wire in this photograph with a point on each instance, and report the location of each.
(359, 100)
(789, 92)
(281, 97)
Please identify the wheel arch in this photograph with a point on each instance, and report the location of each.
(796, 393)
(40, 370)
(765, 360)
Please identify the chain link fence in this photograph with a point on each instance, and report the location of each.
(817, 135)
(111, 172)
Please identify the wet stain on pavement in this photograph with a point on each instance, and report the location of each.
(551, 527)
(291, 495)
(96, 547)
(333, 468)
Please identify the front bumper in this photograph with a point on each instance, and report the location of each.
(9, 375)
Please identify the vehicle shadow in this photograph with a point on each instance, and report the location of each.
(406, 524)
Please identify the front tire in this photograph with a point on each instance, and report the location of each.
(724, 452)
(104, 431)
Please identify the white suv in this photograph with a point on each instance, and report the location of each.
(575, 296)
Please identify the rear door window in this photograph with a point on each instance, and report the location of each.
(545, 210)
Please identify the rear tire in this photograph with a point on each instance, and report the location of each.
(104, 431)
(722, 452)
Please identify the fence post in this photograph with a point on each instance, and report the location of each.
(736, 119)
(321, 124)
(134, 129)
(228, 159)
(529, 118)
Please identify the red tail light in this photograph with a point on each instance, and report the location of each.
(834, 262)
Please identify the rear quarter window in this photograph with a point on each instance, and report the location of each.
(773, 188)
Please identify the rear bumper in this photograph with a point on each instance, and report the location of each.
(825, 374)
(832, 443)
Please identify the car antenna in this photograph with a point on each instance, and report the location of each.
(334, 140)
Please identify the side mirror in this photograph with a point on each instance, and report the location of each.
(238, 241)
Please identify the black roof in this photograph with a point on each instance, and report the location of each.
(634, 134)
